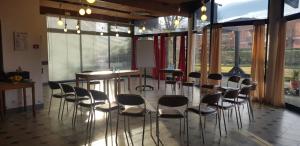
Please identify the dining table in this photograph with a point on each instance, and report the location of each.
(165, 71)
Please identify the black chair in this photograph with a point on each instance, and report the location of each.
(172, 102)
(194, 75)
(228, 102)
(176, 77)
(104, 106)
(213, 77)
(245, 96)
(207, 107)
(245, 82)
(137, 108)
(234, 79)
(54, 86)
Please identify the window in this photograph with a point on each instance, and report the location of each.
(115, 28)
(93, 26)
(241, 10)
(291, 7)
(94, 52)
(120, 52)
(197, 43)
(64, 56)
(52, 23)
(236, 50)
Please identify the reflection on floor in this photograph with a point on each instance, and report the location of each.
(272, 126)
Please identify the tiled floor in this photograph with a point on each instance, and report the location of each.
(272, 126)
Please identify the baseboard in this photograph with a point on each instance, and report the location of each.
(292, 108)
(28, 108)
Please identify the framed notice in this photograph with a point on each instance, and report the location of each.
(20, 41)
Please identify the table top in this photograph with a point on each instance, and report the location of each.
(107, 73)
(16, 85)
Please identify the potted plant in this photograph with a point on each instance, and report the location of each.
(295, 83)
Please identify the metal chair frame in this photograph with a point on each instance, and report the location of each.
(55, 86)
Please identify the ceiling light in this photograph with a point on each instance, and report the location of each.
(88, 11)
(144, 28)
(65, 29)
(117, 34)
(77, 26)
(140, 30)
(81, 11)
(129, 32)
(101, 33)
(176, 22)
(203, 8)
(90, 1)
(78, 31)
(60, 22)
(203, 17)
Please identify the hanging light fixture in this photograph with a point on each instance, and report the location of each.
(91, 1)
(117, 34)
(60, 22)
(143, 28)
(88, 10)
(81, 11)
(101, 33)
(140, 30)
(176, 22)
(203, 11)
(129, 32)
(78, 31)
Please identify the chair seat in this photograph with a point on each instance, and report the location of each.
(204, 110)
(225, 105)
(57, 95)
(188, 84)
(238, 101)
(105, 107)
(73, 99)
(170, 113)
(208, 86)
(133, 111)
(243, 96)
(170, 82)
(87, 103)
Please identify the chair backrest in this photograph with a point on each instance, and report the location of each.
(98, 95)
(215, 76)
(67, 88)
(177, 73)
(234, 79)
(130, 99)
(53, 85)
(196, 75)
(211, 99)
(173, 100)
(245, 90)
(253, 86)
(231, 93)
(246, 82)
(81, 92)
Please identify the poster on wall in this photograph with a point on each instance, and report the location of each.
(20, 41)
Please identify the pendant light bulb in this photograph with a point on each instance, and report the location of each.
(81, 11)
(117, 34)
(88, 11)
(203, 17)
(77, 26)
(144, 28)
(203, 8)
(129, 32)
(91, 1)
(101, 33)
(65, 29)
(60, 22)
(176, 22)
(78, 31)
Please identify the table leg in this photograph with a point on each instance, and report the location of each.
(24, 98)
(88, 86)
(33, 100)
(104, 86)
(119, 85)
(115, 87)
(107, 88)
(3, 101)
(129, 88)
(77, 81)
(1, 105)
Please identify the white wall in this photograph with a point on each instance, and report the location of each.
(23, 16)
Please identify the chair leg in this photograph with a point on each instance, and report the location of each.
(129, 130)
(219, 121)
(187, 128)
(248, 109)
(251, 109)
(224, 120)
(202, 131)
(63, 109)
(106, 127)
(157, 130)
(59, 108)
(125, 131)
(50, 104)
(144, 129)
(237, 118)
(67, 106)
(117, 126)
(240, 115)
(179, 126)
(73, 115)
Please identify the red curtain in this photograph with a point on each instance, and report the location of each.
(182, 59)
(162, 62)
(155, 70)
(133, 53)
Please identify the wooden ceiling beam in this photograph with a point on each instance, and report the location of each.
(55, 11)
(164, 9)
(73, 7)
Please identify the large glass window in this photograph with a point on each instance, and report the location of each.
(292, 63)
(241, 10)
(120, 52)
(64, 56)
(197, 45)
(291, 7)
(236, 49)
(94, 52)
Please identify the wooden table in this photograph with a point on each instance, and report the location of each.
(107, 75)
(166, 70)
(10, 86)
